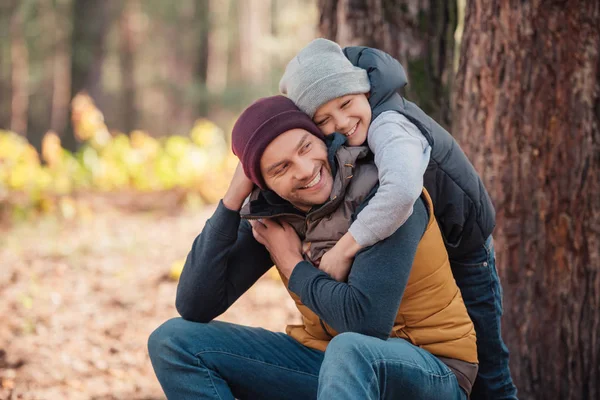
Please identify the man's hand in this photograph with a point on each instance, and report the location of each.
(282, 241)
(338, 261)
(239, 188)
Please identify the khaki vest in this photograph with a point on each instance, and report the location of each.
(432, 314)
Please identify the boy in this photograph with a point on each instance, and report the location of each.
(411, 150)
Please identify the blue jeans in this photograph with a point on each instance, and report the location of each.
(477, 278)
(219, 360)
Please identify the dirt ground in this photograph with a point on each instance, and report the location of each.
(79, 299)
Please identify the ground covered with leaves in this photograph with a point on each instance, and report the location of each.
(81, 296)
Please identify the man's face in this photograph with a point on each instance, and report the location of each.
(295, 166)
(349, 115)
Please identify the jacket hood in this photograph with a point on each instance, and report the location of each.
(386, 73)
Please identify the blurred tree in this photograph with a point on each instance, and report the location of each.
(61, 65)
(418, 33)
(19, 57)
(203, 23)
(218, 47)
(527, 112)
(6, 11)
(255, 26)
(127, 52)
(91, 20)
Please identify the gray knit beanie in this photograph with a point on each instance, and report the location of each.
(320, 72)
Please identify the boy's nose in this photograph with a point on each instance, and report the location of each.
(342, 124)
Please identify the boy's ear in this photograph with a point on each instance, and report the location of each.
(368, 94)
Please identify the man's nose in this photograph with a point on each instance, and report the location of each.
(304, 169)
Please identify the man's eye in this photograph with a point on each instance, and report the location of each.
(280, 170)
(306, 146)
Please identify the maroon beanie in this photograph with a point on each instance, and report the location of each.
(259, 125)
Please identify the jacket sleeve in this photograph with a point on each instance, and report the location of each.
(369, 301)
(386, 74)
(401, 156)
(225, 260)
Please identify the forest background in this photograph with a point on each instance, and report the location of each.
(115, 121)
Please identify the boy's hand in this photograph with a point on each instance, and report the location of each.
(239, 188)
(338, 261)
(282, 241)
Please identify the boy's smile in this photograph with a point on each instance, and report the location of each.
(349, 115)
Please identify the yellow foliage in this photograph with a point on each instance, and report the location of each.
(88, 121)
(52, 151)
(176, 269)
(201, 163)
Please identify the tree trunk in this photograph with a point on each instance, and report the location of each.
(418, 33)
(127, 42)
(6, 11)
(203, 17)
(527, 100)
(61, 77)
(218, 47)
(91, 19)
(20, 74)
(254, 25)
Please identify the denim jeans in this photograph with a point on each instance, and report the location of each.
(219, 360)
(477, 278)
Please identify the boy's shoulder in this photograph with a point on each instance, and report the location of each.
(390, 116)
(393, 123)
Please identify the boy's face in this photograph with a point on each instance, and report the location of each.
(294, 165)
(349, 115)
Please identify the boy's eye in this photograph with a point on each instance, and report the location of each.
(322, 122)
(346, 103)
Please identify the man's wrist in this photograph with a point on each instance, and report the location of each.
(288, 264)
(232, 203)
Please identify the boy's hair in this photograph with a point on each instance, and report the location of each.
(320, 72)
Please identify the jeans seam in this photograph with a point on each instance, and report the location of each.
(213, 384)
(374, 381)
(417, 366)
(199, 354)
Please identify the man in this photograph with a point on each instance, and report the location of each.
(398, 327)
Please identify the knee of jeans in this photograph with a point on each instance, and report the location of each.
(161, 340)
(345, 347)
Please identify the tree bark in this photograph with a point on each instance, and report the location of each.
(527, 98)
(420, 34)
